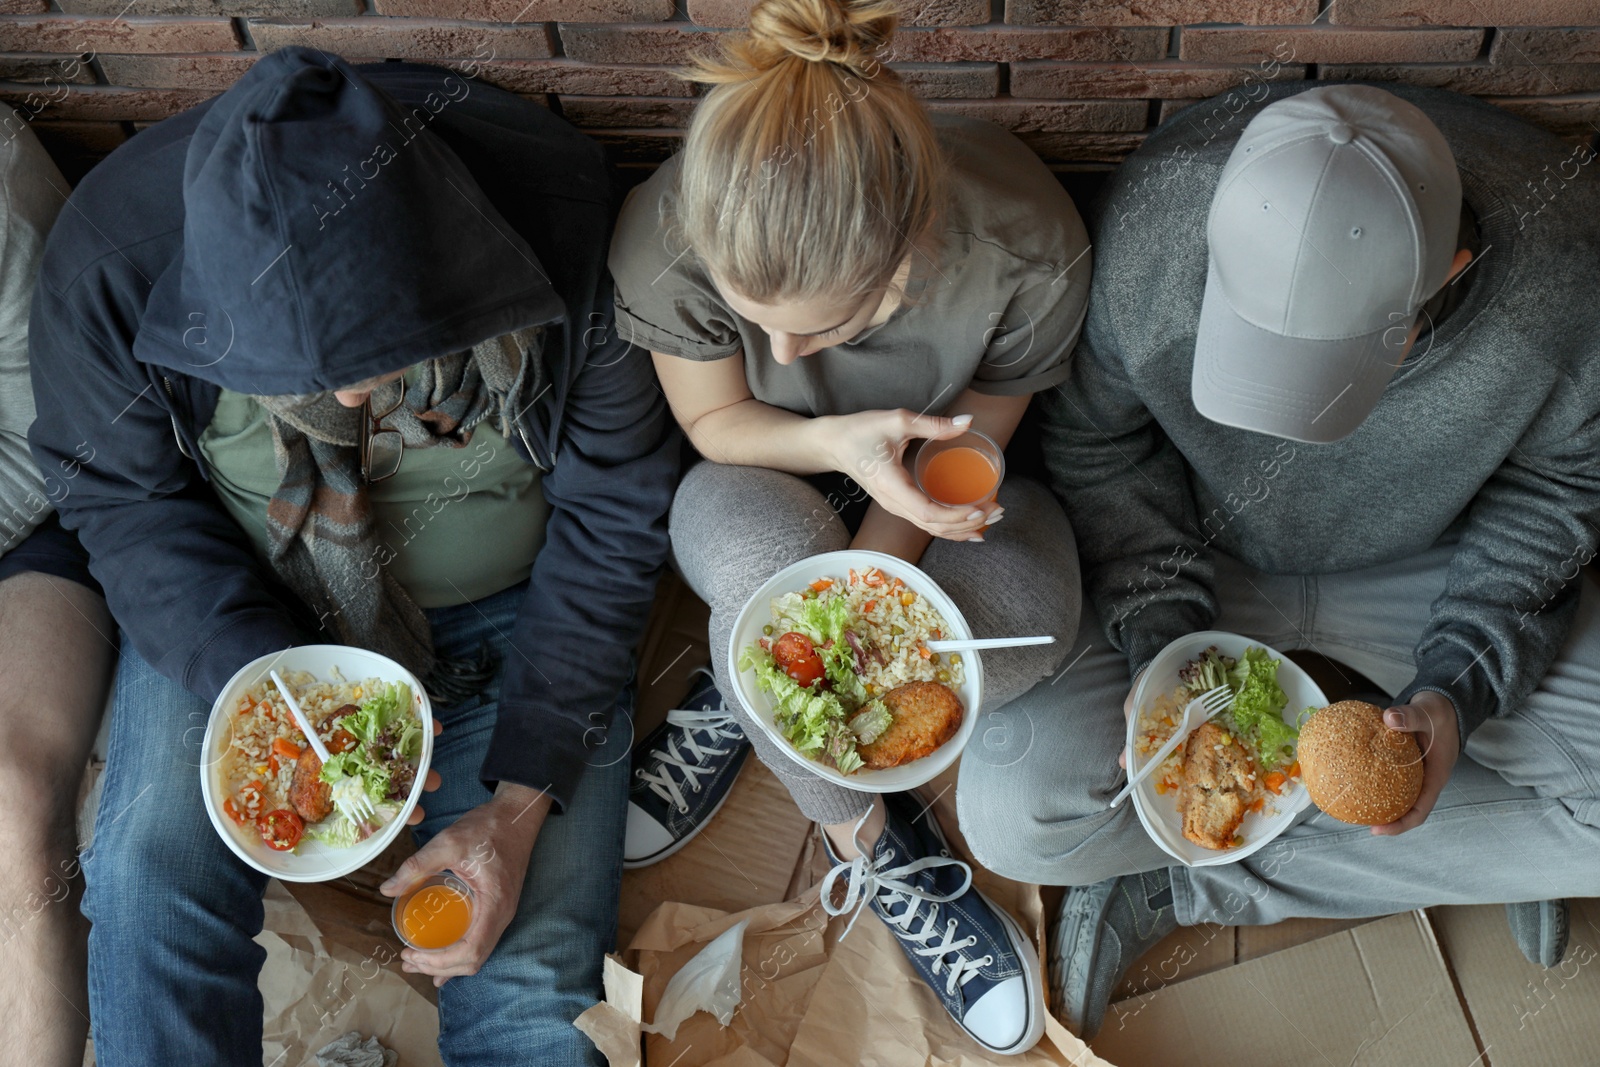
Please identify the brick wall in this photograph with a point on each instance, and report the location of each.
(1079, 80)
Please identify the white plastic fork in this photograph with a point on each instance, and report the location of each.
(353, 803)
(1198, 710)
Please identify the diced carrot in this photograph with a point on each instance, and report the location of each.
(1274, 781)
(869, 605)
(853, 576)
(924, 651)
(231, 810)
(1294, 769)
(874, 577)
(286, 749)
(821, 583)
(1257, 804)
(272, 764)
(938, 635)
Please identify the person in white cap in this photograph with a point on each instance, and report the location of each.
(1338, 390)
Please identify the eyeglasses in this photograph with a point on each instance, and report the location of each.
(381, 449)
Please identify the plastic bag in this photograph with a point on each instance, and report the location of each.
(708, 982)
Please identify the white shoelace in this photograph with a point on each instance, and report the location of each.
(876, 878)
(718, 726)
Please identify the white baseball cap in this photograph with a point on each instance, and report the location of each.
(1334, 221)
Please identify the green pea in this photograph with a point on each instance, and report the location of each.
(934, 659)
(955, 658)
(943, 676)
(767, 629)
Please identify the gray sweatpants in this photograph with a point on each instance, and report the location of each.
(734, 527)
(1518, 821)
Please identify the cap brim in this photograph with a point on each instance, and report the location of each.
(1312, 391)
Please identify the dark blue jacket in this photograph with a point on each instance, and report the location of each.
(316, 225)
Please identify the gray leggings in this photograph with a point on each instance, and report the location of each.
(734, 527)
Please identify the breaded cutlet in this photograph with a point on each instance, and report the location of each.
(1218, 785)
(926, 715)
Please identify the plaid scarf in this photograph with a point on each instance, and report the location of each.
(319, 522)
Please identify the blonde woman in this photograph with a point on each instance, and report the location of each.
(826, 275)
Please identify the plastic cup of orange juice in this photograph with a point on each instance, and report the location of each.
(958, 471)
(435, 913)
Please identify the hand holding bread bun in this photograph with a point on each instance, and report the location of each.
(1356, 768)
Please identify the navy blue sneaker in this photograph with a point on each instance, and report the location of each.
(972, 954)
(682, 773)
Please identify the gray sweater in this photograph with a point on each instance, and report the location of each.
(1489, 432)
(32, 191)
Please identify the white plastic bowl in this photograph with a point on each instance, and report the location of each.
(757, 613)
(1158, 813)
(312, 861)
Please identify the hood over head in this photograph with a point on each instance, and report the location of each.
(330, 236)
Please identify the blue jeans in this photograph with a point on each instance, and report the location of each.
(172, 963)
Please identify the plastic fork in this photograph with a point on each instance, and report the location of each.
(975, 643)
(1198, 710)
(353, 803)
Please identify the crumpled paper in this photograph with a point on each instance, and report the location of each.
(349, 1050)
(708, 982)
(315, 990)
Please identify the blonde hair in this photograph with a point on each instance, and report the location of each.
(809, 169)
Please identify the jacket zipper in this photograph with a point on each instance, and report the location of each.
(173, 415)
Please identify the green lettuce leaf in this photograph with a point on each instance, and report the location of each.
(1257, 710)
(377, 711)
(813, 720)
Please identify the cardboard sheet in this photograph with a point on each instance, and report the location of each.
(1526, 1016)
(1376, 995)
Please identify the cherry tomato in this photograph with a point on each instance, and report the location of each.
(281, 829)
(795, 653)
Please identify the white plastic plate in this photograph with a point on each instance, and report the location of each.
(311, 861)
(757, 613)
(1158, 813)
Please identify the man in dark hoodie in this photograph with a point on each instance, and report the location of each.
(332, 355)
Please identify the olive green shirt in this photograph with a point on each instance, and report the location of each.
(998, 311)
(452, 525)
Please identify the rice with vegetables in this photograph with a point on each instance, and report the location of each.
(836, 649)
(273, 780)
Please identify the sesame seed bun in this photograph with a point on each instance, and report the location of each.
(1357, 769)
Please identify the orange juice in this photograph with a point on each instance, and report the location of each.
(960, 475)
(436, 916)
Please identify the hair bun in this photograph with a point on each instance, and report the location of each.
(846, 32)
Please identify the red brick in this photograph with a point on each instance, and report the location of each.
(968, 80)
(1170, 108)
(635, 44)
(1054, 116)
(1005, 45)
(736, 13)
(627, 111)
(675, 43)
(1463, 12)
(1566, 116)
(1307, 44)
(42, 67)
(1082, 147)
(1158, 12)
(582, 79)
(1480, 79)
(534, 11)
(1520, 47)
(70, 33)
(224, 8)
(216, 71)
(396, 38)
(95, 103)
(1093, 81)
